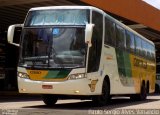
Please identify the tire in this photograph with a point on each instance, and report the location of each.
(103, 99)
(142, 96)
(157, 90)
(49, 100)
(147, 88)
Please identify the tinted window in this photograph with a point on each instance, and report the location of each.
(120, 37)
(138, 45)
(152, 53)
(95, 50)
(53, 47)
(144, 48)
(109, 32)
(149, 52)
(130, 42)
(57, 17)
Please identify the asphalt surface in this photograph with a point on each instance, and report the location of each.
(32, 105)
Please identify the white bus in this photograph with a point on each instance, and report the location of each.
(82, 52)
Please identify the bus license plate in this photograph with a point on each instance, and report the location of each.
(47, 86)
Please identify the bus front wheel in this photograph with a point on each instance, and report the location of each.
(104, 98)
(49, 100)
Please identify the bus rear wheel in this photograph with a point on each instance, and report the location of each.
(49, 100)
(142, 96)
(103, 99)
(157, 89)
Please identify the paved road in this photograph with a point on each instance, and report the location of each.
(26, 105)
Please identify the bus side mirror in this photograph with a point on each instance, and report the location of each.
(88, 34)
(11, 34)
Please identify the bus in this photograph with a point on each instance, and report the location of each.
(82, 52)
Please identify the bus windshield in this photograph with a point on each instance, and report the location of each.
(57, 17)
(57, 47)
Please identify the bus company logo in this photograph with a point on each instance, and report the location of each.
(140, 63)
(93, 85)
(35, 72)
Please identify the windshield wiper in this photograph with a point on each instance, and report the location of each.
(36, 60)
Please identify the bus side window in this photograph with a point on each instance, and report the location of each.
(152, 52)
(109, 32)
(95, 50)
(144, 49)
(148, 51)
(120, 37)
(138, 46)
(130, 42)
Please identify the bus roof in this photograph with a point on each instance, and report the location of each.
(65, 7)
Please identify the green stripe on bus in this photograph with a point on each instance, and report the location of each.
(57, 74)
(127, 63)
(124, 66)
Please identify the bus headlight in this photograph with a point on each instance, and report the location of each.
(77, 76)
(23, 75)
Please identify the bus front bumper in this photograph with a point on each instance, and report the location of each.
(69, 87)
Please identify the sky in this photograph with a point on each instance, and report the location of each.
(154, 3)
